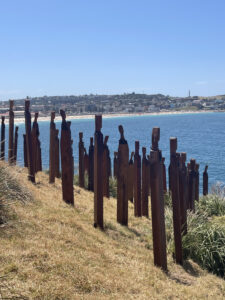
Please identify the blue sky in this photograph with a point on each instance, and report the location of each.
(109, 46)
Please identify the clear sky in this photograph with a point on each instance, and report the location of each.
(53, 47)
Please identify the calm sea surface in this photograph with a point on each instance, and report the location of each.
(201, 135)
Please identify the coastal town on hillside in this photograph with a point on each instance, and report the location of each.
(130, 103)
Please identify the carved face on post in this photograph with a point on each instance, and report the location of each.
(155, 138)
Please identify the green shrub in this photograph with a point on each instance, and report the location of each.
(113, 187)
(212, 205)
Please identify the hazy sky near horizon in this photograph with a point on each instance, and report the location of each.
(56, 47)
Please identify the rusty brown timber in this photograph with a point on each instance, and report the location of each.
(98, 186)
(122, 179)
(174, 181)
(31, 175)
(52, 149)
(11, 132)
(81, 160)
(197, 182)
(66, 160)
(137, 181)
(106, 168)
(36, 145)
(183, 189)
(157, 202)
(164, 176)
(25, 151)
(57, 163)
(15, 144)
(115, 164)
(3, 139)
(91, 166)
(145, 184)
(131, 178)
(191, 185)
(205, 181)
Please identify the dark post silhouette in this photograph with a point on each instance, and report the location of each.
(91, 166)
(183, 188)
(157, 202)
(52, 149)
(137, 181)
(145, 184)
(86, 161)
(106, 168)
(197, 182)
(98, 185)
(174, 181)
(205, 181)
(81, 160)
(11, 131)
(31, 170)
(3, 139)
(191, 185)
(115, 164)
(66, 160)
(36, 145)
(164, 176)
(15, 143)
(131, 178)
(25, 151)
(122, 179)
(57, 163)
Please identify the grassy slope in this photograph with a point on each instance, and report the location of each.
(50, 250)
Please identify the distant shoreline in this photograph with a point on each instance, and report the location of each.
(117, 115)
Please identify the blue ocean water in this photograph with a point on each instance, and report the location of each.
(201, 135)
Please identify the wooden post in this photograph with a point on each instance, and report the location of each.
(52, 149)
(57, 163)
(115, 164)
(197, 182)
(66, 160)
(157, 203)
(11, 131)
(81, 160)
(98, 187)
(145, 184)
(205, 181)
(164, 176)
(122, 179)
(91, 166)
(86, 162)
(183, 188)
(131, 178)
(31, 171)
(137, 181)
(174, 173)
(191, 185)
(15, 143)
(25, 151)
(106, 168)
(36, 145)
(3, 139)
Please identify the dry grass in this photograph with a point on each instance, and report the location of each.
(52, 251)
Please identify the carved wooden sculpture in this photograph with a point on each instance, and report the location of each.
(106, 168)
(131, 178)
(11, 131)
(174, 181)
(137, 181)
(145, 184)
(15, 144)
(30, 162)
(183, 189)
(122, 179)
(91, 166)
(157, 202)
(3, 139)
(66, 160)
(197, 182)
(81, 160)
(205, 181)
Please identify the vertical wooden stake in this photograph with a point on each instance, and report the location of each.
(137, 181)
(205, 181)
(197, 182)
(191, 185)
(52, 149)
(122, 179)
(115, 164)
(57, 163)
(164, 176)
(25, 151)
(11, 131)
(31, 171)
(174, 180)
(81, 160)
(157, 203)
(131, 178)
(91, 166)
(3, 139)
(15, 143)
(106, 168)
(66, 160)
(36, 145)
(145, 184)
(183, 188)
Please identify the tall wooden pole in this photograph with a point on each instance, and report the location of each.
(11, 131)
(131, 178)
(145, 184)
(25, 151)
(81, 160)
(57, 160)
(205, 181)
(183, 189)
(3, 139)
(137, 181)
(197, 182)
(15, 143)
(91, 166)
(106, 168)
(52, 149)
(164, 176)
(191, 185)
(115, 164)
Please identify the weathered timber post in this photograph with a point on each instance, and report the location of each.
(145, 184)
(106, 168)
(197, 182)
(11, 131)
(57, 164)
(3, 139)
(183, 188)
(52, 149)
(36, 145)
(122, 179)
(164, 175)
(205, 181)
(137, 181)
(30, 162)
(81, 160)
(91, 166)
(15, 143)
(86, 161)
(131, 178)
(25, 151)
(157, 202)
(174, 180)
(98, 186)
(191, 185)
(66, 160)
(115, 164)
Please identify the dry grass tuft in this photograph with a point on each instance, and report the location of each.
(52, 251)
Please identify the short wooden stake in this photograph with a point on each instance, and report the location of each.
(205, 181)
